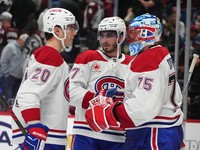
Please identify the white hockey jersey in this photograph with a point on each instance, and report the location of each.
(42, 95)
(152, 97)
(92, 71)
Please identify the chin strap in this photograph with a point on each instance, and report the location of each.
(118, 48)
(118, 53)
(62, 40)
(117, 59)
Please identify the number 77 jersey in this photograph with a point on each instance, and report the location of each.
(152, 96)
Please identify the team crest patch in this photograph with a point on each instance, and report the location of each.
(108, 82)
(66, 90)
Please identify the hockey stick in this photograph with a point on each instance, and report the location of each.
(2, 99)
(194, 60)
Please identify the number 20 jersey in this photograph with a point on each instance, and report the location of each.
(42, 95)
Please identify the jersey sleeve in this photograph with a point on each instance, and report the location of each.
(79, 80)
(79, 95)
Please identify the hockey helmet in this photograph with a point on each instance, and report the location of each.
(113, 24)
(143, 30)
(62, 18)
(58, 17)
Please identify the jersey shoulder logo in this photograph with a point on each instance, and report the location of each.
(96, 67)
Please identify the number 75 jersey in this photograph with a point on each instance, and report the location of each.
(152, 97)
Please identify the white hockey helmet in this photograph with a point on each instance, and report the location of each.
(58, 17)
(143, 30)
(62, 18)
(113, 24)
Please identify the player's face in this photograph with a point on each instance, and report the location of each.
(70, 33)
(108, 41)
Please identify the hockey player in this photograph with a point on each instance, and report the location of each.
(150, 113)
(98, 71)
(41, 104)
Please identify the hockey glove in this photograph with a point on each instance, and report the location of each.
(100, 100)
(106, 96)
(36, 137)
(100, 117)
(113, 92)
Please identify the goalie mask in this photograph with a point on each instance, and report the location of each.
(143, 30)
(59, 17)
(113, 24)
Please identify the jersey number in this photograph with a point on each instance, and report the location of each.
(172, 82)
(145, 83)
(42, 74)
(74, 71)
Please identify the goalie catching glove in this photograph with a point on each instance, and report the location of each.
(100, 116)
(36, 137)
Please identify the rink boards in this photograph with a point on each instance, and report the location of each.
(191, 127)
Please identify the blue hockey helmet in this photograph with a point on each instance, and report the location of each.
(143, 30)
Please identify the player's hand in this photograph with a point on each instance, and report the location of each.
(114, 93)
(101, 117)
(110, 92)
(36, 137)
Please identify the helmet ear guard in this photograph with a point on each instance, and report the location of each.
(143, 30)
(119, 35)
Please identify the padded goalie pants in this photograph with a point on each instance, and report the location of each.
(154, 139)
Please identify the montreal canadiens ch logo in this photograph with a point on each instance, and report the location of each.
(108, 82)
(66, 90)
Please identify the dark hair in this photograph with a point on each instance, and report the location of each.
(48, 35)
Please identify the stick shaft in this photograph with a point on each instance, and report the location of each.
(194, 60)
(2, 99)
